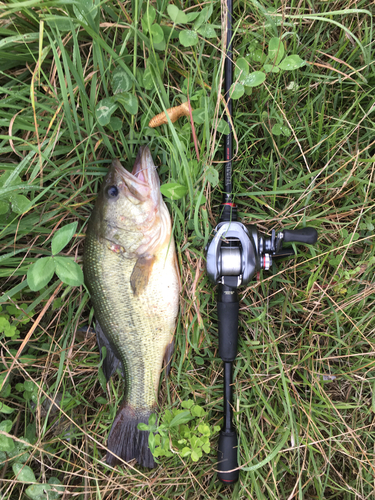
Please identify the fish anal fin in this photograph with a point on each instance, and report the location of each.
(111, 361)
(177, 273)
(141, 273)
(168, 353)
(125, 439)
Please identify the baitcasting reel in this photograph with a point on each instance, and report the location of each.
(237, 251)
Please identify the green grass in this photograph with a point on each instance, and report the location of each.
(305, 373)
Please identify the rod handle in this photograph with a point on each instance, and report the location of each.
(228, 330)
(307, 235)
(228, 472)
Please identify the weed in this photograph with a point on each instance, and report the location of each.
(182, 432)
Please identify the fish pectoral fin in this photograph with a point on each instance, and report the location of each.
(111, 361)
(168, 353)
(141, 273)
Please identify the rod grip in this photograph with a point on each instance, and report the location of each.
(227, 457)
(307, 235)
(228, 330)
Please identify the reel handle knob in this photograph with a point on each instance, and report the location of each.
(307, 235)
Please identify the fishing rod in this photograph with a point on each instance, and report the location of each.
(234, 255)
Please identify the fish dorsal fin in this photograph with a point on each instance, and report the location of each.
(141, 273)
(112, 360)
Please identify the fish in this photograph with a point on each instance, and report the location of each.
(131, 271)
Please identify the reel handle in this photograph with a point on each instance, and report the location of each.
(307, 235)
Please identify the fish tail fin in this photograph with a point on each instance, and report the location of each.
(125, 439)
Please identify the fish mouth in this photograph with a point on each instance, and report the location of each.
(143, 163)
(143, 182)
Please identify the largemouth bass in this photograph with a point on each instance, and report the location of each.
(131, 271)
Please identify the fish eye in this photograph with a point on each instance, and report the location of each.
(112, 192)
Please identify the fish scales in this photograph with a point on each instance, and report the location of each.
(149, 319)
(131, 272)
